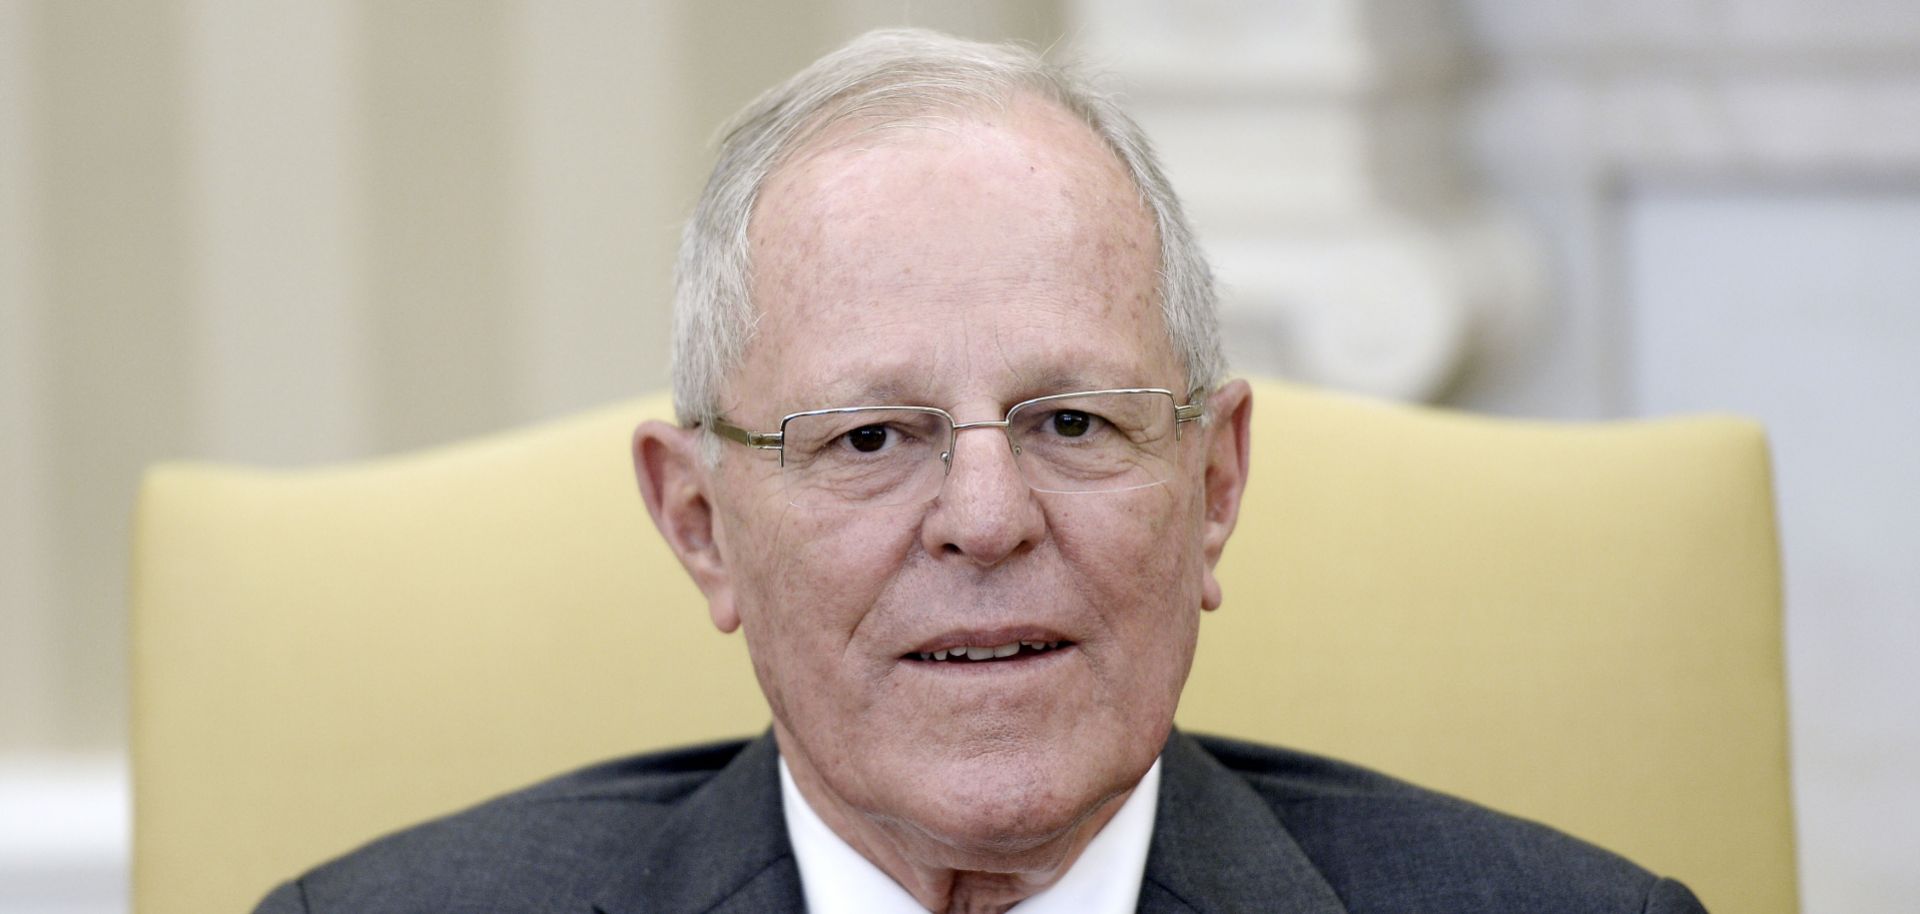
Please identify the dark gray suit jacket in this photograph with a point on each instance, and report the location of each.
(1239, 828)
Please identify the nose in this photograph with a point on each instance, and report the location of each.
(985, 513)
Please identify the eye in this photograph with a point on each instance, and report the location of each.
(868, 438)
(1071, 423)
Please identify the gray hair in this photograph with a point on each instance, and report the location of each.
(892, 75)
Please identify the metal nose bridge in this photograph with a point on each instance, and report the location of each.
(946, 456)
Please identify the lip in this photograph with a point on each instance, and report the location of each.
(1023, 670)
(987, 637)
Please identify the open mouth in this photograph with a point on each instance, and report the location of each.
(1013, 650)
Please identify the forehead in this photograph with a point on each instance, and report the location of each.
(1004, 248)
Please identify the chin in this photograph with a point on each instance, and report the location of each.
(1004, 839)
(999, 810)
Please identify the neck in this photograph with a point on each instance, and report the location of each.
(944, 874)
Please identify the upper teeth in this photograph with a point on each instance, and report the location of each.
(987, 653)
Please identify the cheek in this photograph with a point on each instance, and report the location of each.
(807, 582)
(841, 559)
(1135, 547)
(817, 579)
(1137, 563)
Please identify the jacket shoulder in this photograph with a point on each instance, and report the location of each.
(544, 847)
(1385, 845)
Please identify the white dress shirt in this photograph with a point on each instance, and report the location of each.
(1105, 880)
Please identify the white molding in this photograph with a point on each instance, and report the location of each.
(1688, 26)
(1345, 259)
(1572, 105)
(65, 834)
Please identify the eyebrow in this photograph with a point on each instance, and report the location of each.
(899, 391)
(842, 392)
(1064, 381)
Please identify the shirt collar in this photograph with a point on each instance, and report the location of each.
(1104, 880)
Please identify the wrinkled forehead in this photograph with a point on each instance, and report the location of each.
(944, 247)
(982, 150)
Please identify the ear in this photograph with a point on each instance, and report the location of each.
(676, 484)
(1228, 437)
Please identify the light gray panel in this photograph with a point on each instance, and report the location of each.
(29, 714)
(119, 357)
(439, 243)
(274, 127)
(598, 181)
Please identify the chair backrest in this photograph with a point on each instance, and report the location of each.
(1575, 623)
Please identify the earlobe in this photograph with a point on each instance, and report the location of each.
(1210, 596)
(674, 484)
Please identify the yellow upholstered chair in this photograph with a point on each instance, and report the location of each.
(1579, 624)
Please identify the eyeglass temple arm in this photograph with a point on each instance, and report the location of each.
(1195, 408)
(766, 441)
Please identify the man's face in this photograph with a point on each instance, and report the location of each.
(967, 263)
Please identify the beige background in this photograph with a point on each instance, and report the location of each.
(302, 232)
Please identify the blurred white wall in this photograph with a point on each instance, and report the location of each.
(302, 232)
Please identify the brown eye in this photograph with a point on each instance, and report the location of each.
(1071, 423)
(867, 438)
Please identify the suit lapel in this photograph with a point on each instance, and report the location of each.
(1219, 849)
(724, 850)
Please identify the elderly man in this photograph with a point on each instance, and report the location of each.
(956, 457)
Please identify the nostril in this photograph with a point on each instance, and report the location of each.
(950, 549)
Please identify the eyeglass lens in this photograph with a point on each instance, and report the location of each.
(879, 456)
